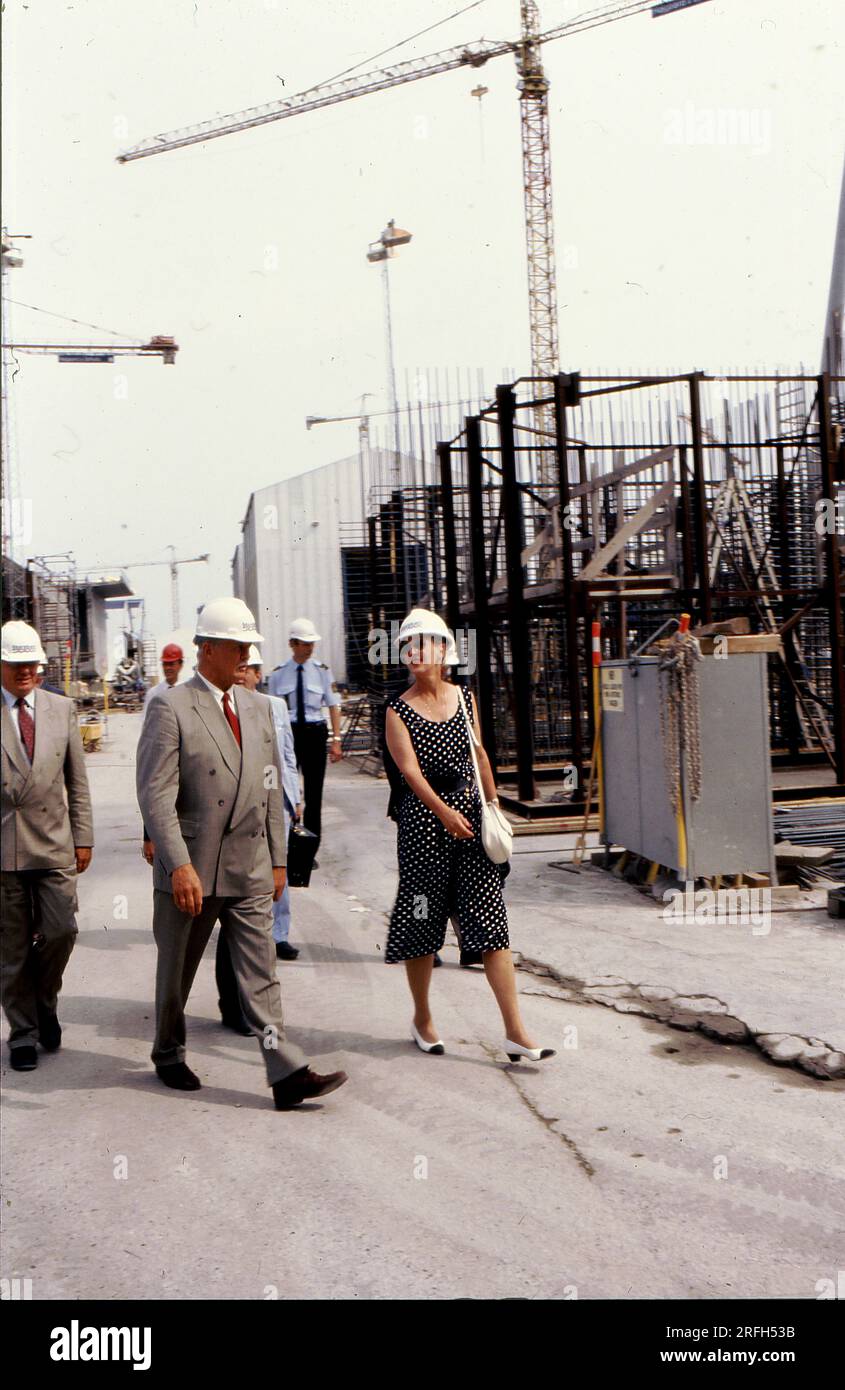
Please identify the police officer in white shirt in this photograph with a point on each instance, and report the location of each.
(307, 685)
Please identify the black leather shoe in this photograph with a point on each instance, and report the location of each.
(237, 1025)
(49, 1030)
(305, 1084)
(23, 1058)
(179, 1076)
(469, 958)
(285, 951)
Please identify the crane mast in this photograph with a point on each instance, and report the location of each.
(537, 190)
(539, 227)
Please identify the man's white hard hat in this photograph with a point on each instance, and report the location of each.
(254, 658)
(228, 619)
(303, 630)
(421, 622)
(20, 642)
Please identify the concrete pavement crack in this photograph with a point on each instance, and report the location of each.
(716, 1023)
(547, 1121)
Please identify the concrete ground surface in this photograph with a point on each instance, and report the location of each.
(644, 1161)
(776, 978)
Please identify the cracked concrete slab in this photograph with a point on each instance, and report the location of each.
(606, 941)
(705, 1013)
(727, 980)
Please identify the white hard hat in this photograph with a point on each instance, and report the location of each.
(20, 642)
(228, 619)
(254, 658)
(303, 630)
(421, 622)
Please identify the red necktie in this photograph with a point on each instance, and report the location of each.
(234, 722)
(26, 724)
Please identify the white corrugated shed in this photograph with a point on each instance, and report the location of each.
(238, 570)
(288, 563)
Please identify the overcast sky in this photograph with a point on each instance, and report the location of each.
(696, 158)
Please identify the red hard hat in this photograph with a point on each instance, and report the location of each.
(172, 653)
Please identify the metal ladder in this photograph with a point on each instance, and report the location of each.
(732, 496)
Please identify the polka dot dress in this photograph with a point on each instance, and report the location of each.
(439, 874)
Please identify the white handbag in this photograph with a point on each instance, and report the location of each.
(496, 829)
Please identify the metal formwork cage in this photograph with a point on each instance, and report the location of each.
(629, 499)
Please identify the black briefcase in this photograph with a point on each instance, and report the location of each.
(302, 847)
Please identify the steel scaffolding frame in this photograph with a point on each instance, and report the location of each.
(625, 533)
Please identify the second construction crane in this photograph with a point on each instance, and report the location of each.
(536, 157)
(173, 565)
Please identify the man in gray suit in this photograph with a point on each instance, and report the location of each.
(209, 788)
(47, 836)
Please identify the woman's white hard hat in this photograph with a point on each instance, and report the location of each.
(254, 658)
(421, 622)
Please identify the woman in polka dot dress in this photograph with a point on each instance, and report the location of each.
(443, 866)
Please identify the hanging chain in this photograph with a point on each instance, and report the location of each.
(680, 716)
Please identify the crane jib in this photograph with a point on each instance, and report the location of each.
(314, 98)
(327, 94)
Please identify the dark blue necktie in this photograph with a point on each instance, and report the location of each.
(300, 696)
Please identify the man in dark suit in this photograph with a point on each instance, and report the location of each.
(47, 837)
(209, 788)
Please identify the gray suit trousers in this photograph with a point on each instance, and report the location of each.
(181, 940)
(42, 902)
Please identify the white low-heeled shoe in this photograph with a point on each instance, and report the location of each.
(436, 1047)
(534, 1054)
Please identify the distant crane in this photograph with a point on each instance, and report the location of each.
(173, 564)
(362, 418)
(160, 345)
(363, 438)
(536, 162)
(164, 347)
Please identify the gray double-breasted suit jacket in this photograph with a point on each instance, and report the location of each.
(219, 807)
(206, 802)
(46, 805)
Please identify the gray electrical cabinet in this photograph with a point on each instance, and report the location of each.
(729, 829)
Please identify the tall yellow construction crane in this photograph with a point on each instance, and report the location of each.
(536, 162)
